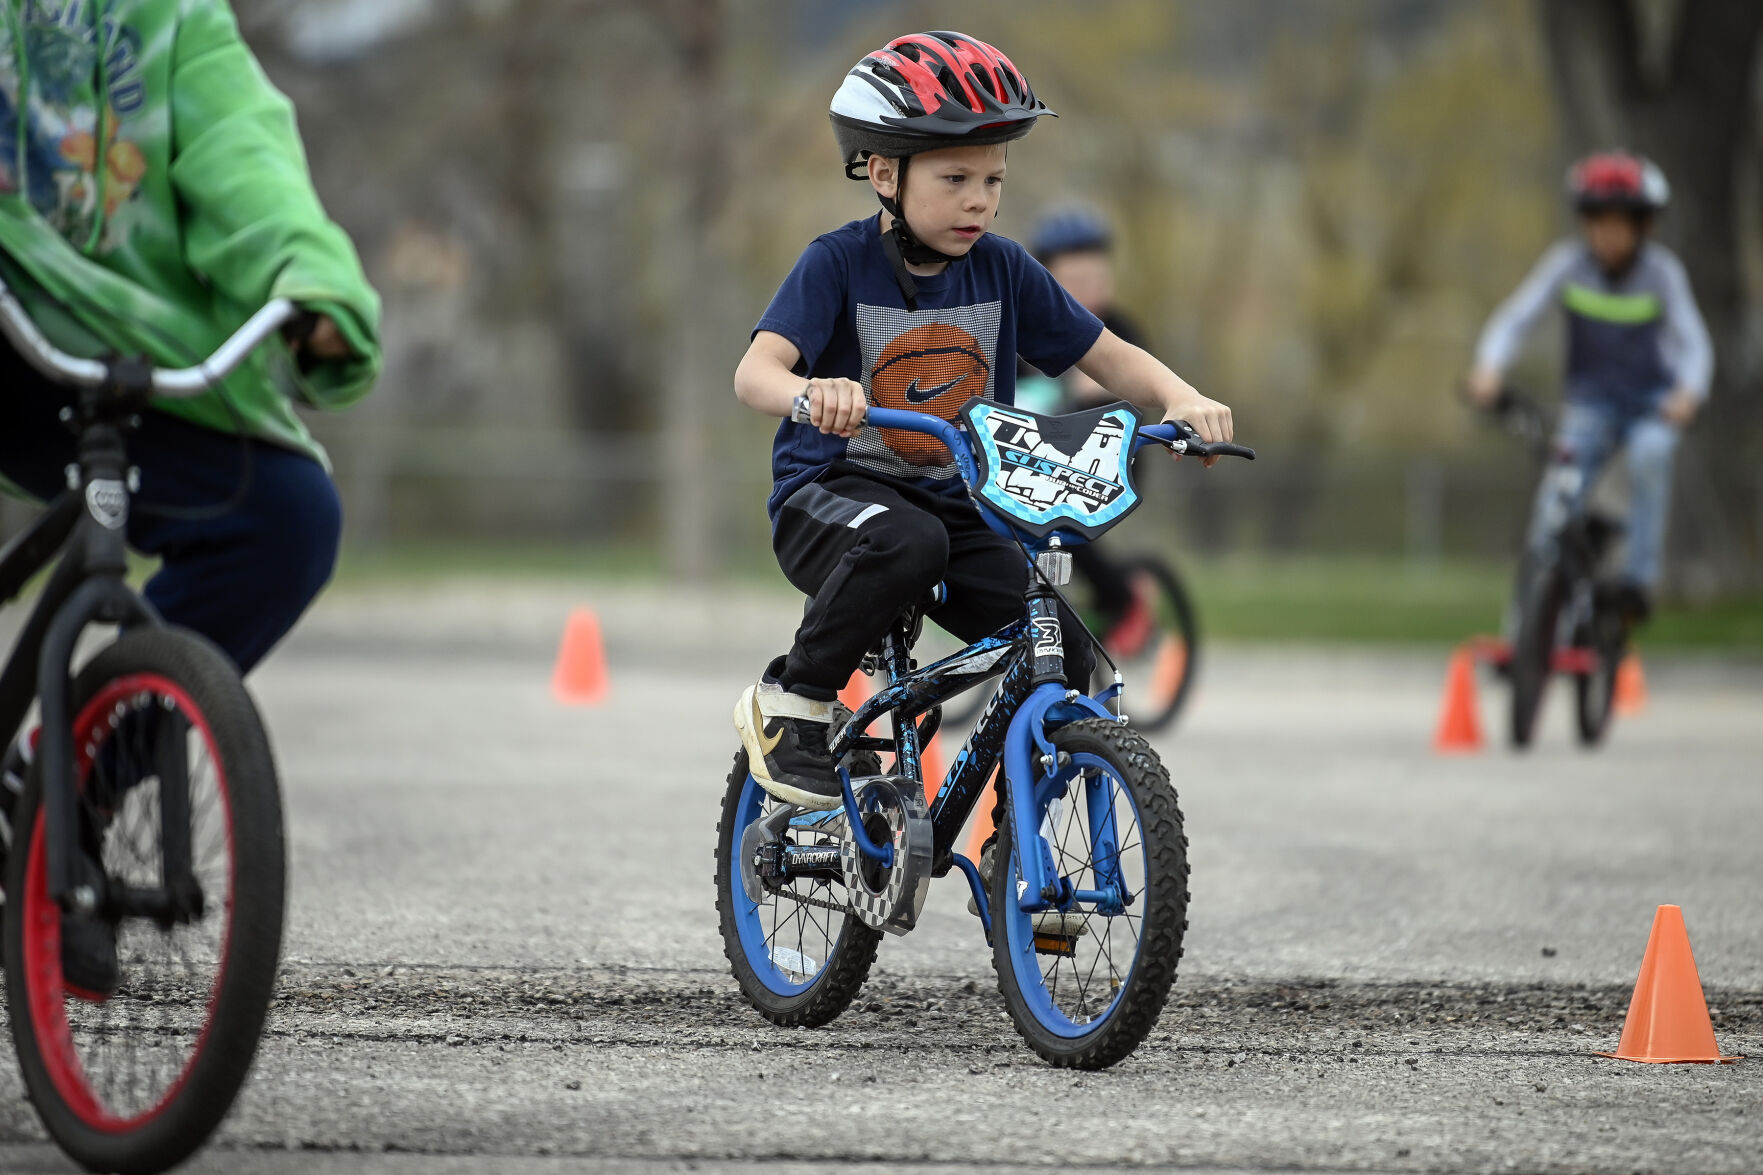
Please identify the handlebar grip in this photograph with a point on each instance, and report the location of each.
(1222, 449)
(1182, 439)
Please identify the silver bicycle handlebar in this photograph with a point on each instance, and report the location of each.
(174, 383)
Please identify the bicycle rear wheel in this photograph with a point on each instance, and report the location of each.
(1158, 667)
(1085, 987)
(798, 952)
(134, 1082)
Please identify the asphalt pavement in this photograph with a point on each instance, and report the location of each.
(502, 954)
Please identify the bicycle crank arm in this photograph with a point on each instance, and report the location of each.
(158, 904)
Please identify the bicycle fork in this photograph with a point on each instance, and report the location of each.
(88, 588)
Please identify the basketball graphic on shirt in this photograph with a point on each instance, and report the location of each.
(933, 368)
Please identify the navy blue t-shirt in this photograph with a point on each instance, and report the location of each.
(844, 312)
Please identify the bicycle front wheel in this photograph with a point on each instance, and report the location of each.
(1533, 653)
(1084, 986)
(1595, 692)
(136, 1078)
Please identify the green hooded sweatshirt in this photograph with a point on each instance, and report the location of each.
(154, 194)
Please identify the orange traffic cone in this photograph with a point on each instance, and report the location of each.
(856, 691)
(580, 678)
(1171, 667)
(1631, 685)
(1459, 718)
(1668, 1018)
(933, 766)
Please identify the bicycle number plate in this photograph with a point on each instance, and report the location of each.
(1046, 473)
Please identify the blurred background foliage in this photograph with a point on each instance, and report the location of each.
(577, 208)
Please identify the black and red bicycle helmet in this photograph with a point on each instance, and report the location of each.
(919, 93)
(1617, 181)
(930, 90)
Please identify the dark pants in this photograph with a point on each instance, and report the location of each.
(241, 578)
(864, 547)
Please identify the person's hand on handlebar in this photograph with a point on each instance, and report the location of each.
(836, 406)
(1680, 407)
(1483, 386)
(317, 337)
(1205, 416)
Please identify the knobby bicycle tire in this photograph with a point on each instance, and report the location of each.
(179, 670)
(1145, 988)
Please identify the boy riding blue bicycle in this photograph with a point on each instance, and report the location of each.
(918, 308)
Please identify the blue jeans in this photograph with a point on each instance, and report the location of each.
(241, 578)
(1587, 436)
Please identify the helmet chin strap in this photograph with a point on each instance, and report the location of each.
(902, 246)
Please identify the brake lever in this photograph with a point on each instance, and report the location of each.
(1187, 443)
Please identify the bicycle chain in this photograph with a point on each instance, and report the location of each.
(835, 907)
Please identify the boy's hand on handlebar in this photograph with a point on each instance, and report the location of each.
(1483, 386)
(1207, 417)
(1680, 407)
(836, 406)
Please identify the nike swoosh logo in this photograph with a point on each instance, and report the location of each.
(766, 746)
(914, 396)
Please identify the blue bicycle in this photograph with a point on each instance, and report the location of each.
(1083, 893)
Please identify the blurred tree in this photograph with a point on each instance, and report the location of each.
(1675, 80)
(694, 394)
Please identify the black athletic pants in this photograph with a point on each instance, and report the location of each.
(863, 547)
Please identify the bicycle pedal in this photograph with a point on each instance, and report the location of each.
(1063, 945)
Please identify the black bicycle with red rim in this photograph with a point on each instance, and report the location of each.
(144, 881)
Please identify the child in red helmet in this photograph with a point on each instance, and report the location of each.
(917, 308)
(1639, 360)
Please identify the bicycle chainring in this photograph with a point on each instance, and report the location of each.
(889, 897)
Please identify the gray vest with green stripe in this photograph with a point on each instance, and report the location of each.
(1615, 332)
(1629, 340)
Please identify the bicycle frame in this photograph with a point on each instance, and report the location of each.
(1032, 700)
(87, 587)
(88, 521)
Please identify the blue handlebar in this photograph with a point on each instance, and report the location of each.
(1176, 434)
(934, 426)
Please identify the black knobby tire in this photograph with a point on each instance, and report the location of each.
(1533, 653)
(1155, 703)
(218, 1019)
(1595, 692)
(842, 974)
(1161, 907)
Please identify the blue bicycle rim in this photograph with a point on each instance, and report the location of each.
(1025, 962)
(758, 943)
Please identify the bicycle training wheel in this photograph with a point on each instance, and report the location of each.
(1085, 986)
(136, 1080)
(1159, 657)
(799, 953)
(1533, 653)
